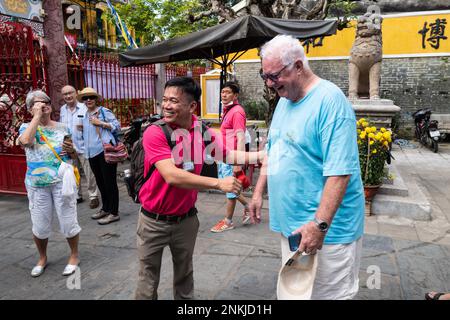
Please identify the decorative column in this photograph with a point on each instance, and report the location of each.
(105, 30)
(91, 25)
(113, 35)
(56, 51)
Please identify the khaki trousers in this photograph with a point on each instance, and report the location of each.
(82, 162)
(152, 237)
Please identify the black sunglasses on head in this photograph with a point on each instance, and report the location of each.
(88, 98)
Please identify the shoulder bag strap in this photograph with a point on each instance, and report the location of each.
(48, 144)
(98, 133)
(103, 114)
(116, 137)
(97, 128)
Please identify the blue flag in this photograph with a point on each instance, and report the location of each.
(123, 28)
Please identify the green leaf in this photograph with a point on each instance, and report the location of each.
(157, 20)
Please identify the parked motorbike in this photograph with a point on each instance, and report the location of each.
(426, 130)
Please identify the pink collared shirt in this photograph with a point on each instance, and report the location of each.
(156, 195)
(234, 120)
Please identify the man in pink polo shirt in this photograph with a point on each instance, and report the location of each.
(168, 214)
(233, 132)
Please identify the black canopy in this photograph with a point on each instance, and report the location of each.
(235, 36)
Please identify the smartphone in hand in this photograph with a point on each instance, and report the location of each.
(68, 137)
(294, 241)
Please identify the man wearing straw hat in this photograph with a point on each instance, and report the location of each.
(313, 177)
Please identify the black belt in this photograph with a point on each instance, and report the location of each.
(169, 218)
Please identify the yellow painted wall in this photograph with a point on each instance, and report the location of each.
(400, 37)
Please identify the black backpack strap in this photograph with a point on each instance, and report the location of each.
(207, 139)
(168, 133)
(149, 174)
(208, 169)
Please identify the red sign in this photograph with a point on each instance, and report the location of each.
(72, 39)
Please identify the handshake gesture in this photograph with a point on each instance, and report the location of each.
(230, 184)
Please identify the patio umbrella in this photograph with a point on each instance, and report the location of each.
(220, 41)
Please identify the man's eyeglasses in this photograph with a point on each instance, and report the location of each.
(272, 76)
(85, 98)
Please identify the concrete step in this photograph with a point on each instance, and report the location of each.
(397, 206)
(403, 198)
(395, 187)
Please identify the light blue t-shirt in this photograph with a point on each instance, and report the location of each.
(309, 141)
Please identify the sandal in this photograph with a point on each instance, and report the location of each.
(436, 296)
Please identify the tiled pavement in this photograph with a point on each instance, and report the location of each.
(239, 264)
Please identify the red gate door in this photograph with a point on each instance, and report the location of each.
(22, 68)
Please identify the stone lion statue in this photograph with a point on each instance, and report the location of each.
(365, 56)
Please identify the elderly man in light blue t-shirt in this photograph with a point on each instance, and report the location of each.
(313, 171)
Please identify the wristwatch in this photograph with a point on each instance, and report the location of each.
(322, 225)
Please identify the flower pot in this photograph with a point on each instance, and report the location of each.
(369, 193)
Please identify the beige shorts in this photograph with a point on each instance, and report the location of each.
(41, 203)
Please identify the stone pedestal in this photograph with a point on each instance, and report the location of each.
(379, 112)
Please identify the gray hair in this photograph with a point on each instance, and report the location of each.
(286, 48)
(32, 95)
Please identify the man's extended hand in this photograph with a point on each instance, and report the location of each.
(255, 209)
(230, 184)
(312, 238)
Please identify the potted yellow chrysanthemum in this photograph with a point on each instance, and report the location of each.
(373, 145)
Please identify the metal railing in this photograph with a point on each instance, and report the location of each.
(128, 92)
